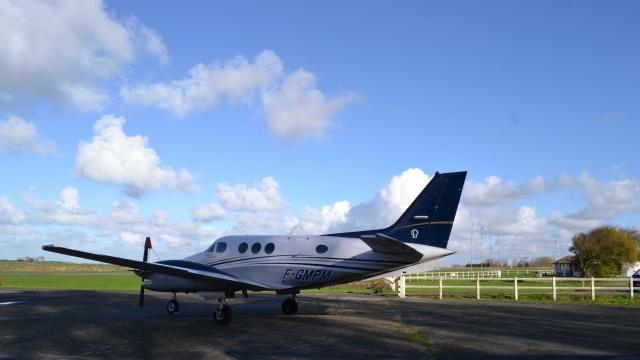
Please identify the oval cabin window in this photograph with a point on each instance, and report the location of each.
(255, 248)
(321, 249)
(269, 248)
(242, 248)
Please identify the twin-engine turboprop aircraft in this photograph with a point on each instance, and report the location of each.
(288, 264)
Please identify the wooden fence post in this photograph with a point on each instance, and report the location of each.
(440, 289)
(593, 288)
(553, 285)
(631, 286)
(401, 287)
(515, 288)
(478, 287)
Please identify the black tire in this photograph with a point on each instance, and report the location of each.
(223, 317)
(289, 306)
(173, 307)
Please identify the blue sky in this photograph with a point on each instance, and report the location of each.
(323, 107)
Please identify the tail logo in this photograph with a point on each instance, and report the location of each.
(414, 233)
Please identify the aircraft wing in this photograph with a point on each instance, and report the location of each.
(386, 244)
(179, 268)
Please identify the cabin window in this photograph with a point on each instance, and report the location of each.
(255, 248)
(242, 248)
(269, 248)
(321, 249)
(222, 246)
(210, 249)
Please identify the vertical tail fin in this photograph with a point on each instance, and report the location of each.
(429, 219)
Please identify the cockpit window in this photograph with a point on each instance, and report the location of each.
(637, 273)
(210, 249)
(222, 246)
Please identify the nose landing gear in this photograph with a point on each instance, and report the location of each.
(172, 305)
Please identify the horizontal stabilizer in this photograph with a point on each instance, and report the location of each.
(387, 245)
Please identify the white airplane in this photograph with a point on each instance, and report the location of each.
(288, 264)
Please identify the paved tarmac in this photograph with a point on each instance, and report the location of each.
(84, 324)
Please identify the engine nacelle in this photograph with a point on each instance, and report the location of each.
(162, 282)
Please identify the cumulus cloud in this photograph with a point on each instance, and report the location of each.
(319, 221)
(388, 204)
(297, 109)
(62, 50)
(208, 212)
(206, 85)
(114, 157)
(265, 196)
(493, 191)
(18, 135)
(9, 214)
(125, 212)
(67, 211)
(604, 202)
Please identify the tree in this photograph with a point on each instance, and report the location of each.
(603, 251)
(542, 261)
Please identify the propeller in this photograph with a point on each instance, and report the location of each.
(145, 256)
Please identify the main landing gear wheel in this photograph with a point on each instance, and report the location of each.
(289, 306)
(172, 306)
(222, 315)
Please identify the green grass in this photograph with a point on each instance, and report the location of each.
(71, 281)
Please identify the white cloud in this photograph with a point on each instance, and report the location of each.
(208, 212)
(493, 191)
(605, 202)
(62, 50)
(206, 85)
(67, 211)
(18, 135)
(265, 196)
(125, 212)
(150, 40)
(387, 206)
(114, 157)
(319, 221)
(297, 109)
(9, 214)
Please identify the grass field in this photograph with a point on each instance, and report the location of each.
(72, 276)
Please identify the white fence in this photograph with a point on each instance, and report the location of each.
(580, 284)
(472, 274)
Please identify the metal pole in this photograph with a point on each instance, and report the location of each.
(631, 286)
(478, 287)
(401, 287)
(593, 288)
(481, 241)
(553, 282)
(490, 250)
(471, 241)
(440, 289)
(515, 288)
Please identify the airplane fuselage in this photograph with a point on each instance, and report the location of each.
(290, 263)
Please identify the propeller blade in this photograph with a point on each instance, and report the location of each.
(141, 298)
(147, 246)
(145, 256)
